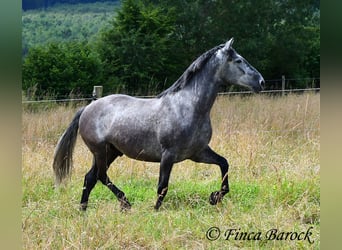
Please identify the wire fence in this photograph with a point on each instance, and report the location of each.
(278, 91)
(272, 91)
(60, 100)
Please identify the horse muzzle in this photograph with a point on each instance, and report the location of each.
(259, 86)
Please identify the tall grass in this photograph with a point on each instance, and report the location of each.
(271, 143)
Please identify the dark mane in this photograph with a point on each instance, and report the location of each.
(184, 79)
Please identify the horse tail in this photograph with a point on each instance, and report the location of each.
(62, 162)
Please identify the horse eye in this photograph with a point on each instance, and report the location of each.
(238, 61)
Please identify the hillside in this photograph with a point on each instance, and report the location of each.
(43, 4)
(65, 22)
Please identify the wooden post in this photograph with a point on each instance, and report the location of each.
(97, 92)
(283, 85)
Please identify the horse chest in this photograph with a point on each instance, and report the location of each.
(185, 138)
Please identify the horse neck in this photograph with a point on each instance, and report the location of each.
(201, 92)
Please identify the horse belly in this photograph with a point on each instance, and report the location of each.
(138, 145)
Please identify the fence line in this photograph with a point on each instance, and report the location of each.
(293, 79)
(270, 91)
(59, 100)
(221, 94)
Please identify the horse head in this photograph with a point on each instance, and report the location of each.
(236, 70)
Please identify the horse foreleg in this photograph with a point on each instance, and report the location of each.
(164, 176)
(101, 163)
(209, 156)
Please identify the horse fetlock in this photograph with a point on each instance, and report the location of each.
(163, 192)
(225, 189)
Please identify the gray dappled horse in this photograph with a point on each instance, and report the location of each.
(168, 129)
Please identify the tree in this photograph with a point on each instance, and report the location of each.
(137, 51)
(60, 69)
(277, 37)
(295, 41)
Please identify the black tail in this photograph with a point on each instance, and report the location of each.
(62, 162)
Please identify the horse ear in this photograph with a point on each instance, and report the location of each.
(228, 45)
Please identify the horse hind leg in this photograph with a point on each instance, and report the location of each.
(98, 171)
(90, 180)
(103, 164)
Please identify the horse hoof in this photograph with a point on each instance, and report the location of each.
(158, 204)
(83, 206)
(124, 204)
(125, 207)
(214, 198)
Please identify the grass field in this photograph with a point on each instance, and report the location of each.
(271, 143)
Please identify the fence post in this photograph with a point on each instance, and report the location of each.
(313, 83)
(97, 92)
(283, 85)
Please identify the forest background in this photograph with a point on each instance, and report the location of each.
(141, 47)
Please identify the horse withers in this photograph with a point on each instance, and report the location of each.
(170, 128)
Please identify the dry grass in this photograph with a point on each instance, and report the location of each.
(271, 143)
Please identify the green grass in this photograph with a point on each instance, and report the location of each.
(272, 145)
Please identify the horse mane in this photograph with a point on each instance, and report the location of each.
(195, 66)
